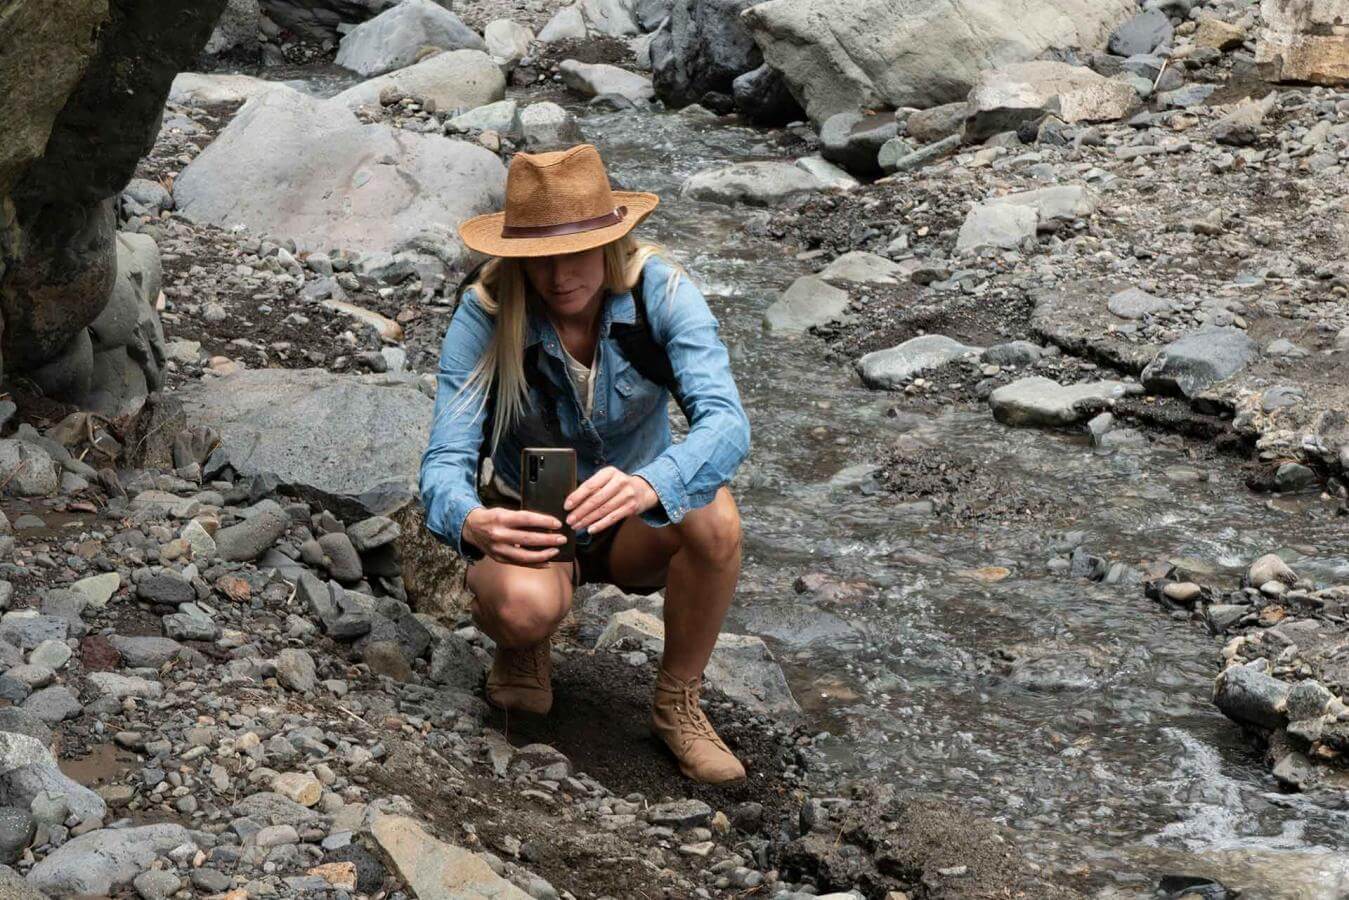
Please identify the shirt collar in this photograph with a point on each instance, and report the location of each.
(617, 308)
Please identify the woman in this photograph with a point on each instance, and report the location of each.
(549, 347)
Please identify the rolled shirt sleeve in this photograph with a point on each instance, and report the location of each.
(687, 475)
(449, 469)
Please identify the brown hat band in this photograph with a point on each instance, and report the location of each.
(543, 231)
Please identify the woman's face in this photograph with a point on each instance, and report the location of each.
(567, 283)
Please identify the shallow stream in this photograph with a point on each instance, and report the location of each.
(1100, 747)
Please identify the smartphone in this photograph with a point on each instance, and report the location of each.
(547, 477)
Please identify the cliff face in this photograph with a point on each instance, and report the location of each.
(85, 87)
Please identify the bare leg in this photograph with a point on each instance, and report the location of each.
(517, 606)
(702, 566)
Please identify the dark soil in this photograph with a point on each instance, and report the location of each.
(600, 720)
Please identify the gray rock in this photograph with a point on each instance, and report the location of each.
(1143, 33)
(928, 125)
(26, 630)
(98, 862)
(396, 37)
(1013, 353)
(1055, 206)
(1291, 476)
(321, 153)
(20, 721)
(828, 174)
(854, 141)
(751, 183)
(567, 24)
(1270, 567)
(1004, 99)
(863, 268)
(253, 536)
(454, 79)
(373, 532)
(27, 470)
(150, 652)
(507, 41)
(680, 814)
(763, 96)
(924, 155)
(1038, 401)
(808, 302)
(111, 684)
(157, 884)
(855, 54)
(704, 48)
(610, 17)
(1251, 697)
(274, 809)
(503, 117)
(1242, 126)
(1307, 700)
(16, 833)
(53, 704)
(295, 670)
(362, 461)
(454, 665)
(997, 225)
(596, 79)
(167, 588)
(27, 783)
(188, 627)
(892, 368)
(1134, 303)
(547, 126)
(344, 563)
(1198, 360)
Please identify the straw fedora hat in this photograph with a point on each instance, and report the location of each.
(558, 202)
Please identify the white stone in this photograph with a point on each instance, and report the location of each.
(809, 301)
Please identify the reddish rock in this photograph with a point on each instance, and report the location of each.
(98, 654)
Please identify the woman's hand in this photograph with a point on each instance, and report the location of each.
(608, 497)
(503, 535)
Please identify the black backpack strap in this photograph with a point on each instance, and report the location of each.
(640, 347)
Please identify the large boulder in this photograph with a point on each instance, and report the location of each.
(764, 97)
(597, 79)
(237, 31)
(1042, 401)
(84, 93)
(347, 184)
(97, 862)
(752, 183)
(1006, 98)
(704, 46)
(615, 18)
(456, 79)
(351, 443)
(1305, 41)
(318, 20)
(396, 37)
(507, 42)
(852, 54)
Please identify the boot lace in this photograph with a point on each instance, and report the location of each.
(690, 715)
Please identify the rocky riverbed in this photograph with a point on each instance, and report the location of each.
(1049, 409)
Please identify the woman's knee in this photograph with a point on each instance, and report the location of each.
(713, 531)
(523, 611)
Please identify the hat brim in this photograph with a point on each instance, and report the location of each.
(483, 233)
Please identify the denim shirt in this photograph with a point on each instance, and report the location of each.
(628, 427)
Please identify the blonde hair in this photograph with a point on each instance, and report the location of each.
(501, 290)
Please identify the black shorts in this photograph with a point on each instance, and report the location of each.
(592, 557)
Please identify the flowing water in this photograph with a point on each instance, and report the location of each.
(1101, 749)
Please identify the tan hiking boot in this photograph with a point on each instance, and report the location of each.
(679, 721)
(521, 679)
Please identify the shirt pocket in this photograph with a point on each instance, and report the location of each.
(635, 398)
